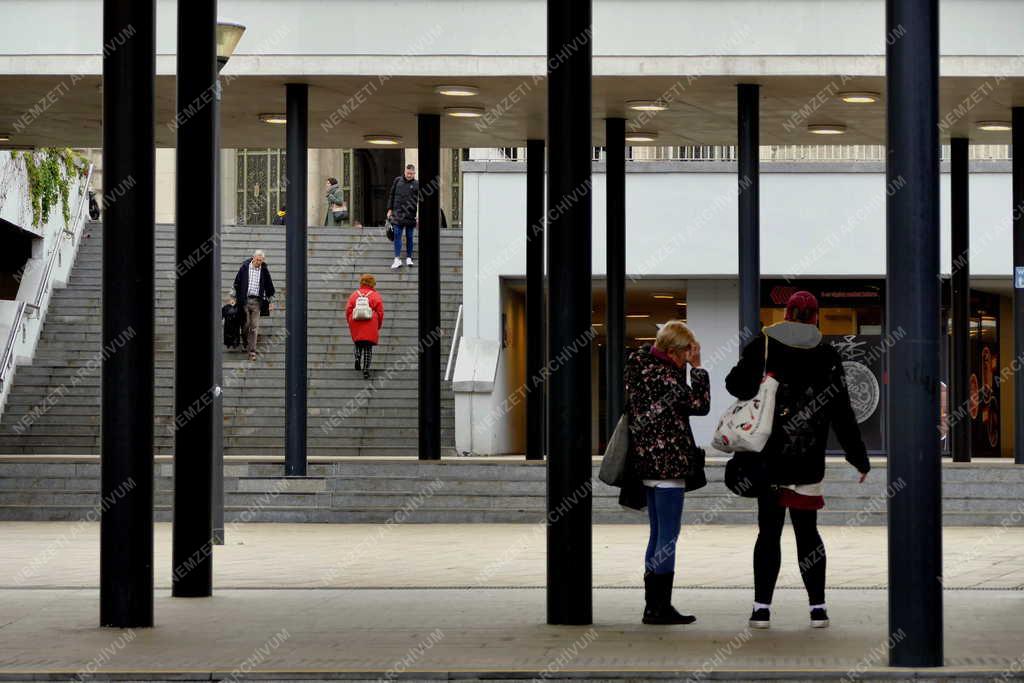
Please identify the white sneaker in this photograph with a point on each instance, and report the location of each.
(409, 262)
(396, 264)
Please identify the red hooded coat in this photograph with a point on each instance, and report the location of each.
(366, 330)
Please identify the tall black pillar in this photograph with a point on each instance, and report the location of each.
(749, 184)
(912, 305)
(194, 380)
(615, 313)
(960, 288)
(297, 155)
(1017, 140)
(126, 528)
(569, 563)
(535, 357)
(430, 286)
(217, 498)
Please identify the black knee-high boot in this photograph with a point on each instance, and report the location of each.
(658, 593)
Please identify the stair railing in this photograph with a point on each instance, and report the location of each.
(453, 351)
(34, 308)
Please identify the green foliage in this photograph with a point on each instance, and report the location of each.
(50, 173)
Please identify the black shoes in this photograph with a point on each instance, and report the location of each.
(658, 596)
(366, 374)
(819, 618)
(761, 618)
(357, 364)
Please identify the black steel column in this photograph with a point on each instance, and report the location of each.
(535, 357)
(960, 290)
(194, 380)
(615, 318)
(749, 188)
(430, 286)
(569, 563)
(912, 304)
(126, 524)
(217, 498)
(297, 160)
(1017, 140)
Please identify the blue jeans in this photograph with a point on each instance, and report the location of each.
(408, 240)
(665, 511)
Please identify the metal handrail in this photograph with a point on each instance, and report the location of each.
(44, 281)
(7, 360)
(456, 336)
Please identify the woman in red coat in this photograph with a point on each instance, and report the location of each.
(365, 316)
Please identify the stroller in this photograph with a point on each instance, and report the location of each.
(232, 316)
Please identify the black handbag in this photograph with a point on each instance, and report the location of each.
(746, 474)
(697, 479)
(264, 307)
(390, 232)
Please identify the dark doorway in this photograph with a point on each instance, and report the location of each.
(15, 251)
(377, 167)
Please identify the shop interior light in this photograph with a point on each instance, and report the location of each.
(382, 139)
(664, 296)
(638, 315)
(464, 112)
(826, 128)
(994, 126)
(275, 119)
(864, 97)
(457, 90)
(647, 105)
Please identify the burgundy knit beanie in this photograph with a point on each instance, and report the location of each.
(802, 307)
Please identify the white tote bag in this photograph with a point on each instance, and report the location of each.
(746, 425)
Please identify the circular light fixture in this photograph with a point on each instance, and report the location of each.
(274, 119)
(5, 137)
(861, 97)
(464, 112)
(647, 105)
(826, 128)
(641, 136)
(382, 139)
(457, 90)
(994, 125)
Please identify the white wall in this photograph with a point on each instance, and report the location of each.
(682, 225)
(517, 27)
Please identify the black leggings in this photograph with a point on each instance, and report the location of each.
(768, 552)
(364, 354)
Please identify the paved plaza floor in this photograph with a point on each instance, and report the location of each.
(382, 601)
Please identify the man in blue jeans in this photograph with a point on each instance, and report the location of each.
(403, 203)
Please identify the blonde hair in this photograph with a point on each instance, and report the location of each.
(673, 336)
(367, 280)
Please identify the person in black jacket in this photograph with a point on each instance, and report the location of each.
(811, 397)
(255, 287)
(403, 203)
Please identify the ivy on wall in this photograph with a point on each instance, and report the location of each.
(50, 173)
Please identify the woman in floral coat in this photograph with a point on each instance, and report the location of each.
(659, 403)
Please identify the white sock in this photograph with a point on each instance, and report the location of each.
(761, 605)
(821, 606)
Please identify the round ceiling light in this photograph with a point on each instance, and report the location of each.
(457, 90)
(826, 128)
(275, 119)
(647, 105)
(5, 137)
(862, 97)
(464, 112)
(994, 125)
(382, 139)
(641, 136)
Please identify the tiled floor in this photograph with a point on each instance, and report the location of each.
(465, 598)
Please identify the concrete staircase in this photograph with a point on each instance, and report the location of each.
(471, 489)
(54, 405)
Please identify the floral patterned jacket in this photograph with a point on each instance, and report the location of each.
(659, 403)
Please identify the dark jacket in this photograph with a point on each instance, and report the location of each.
(242, 282)
(403, 201)
(812, 396)
(659, 402)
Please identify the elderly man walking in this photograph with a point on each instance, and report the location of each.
(255, 287)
